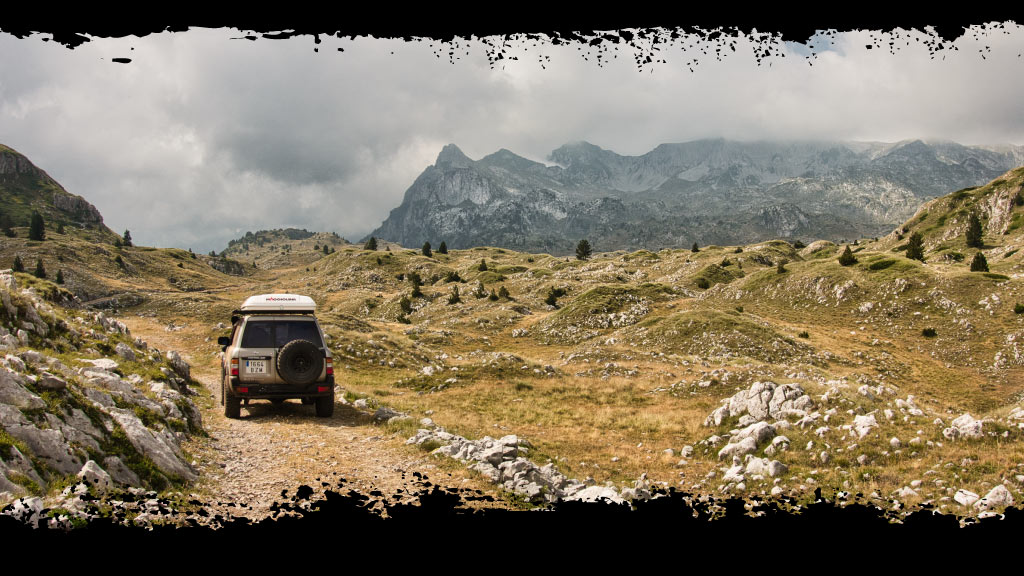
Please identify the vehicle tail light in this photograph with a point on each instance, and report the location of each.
(330, 367)
(323, 388)
(234, 366)
(243, 390)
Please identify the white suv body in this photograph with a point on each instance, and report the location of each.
(276, 351)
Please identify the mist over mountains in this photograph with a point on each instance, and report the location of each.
(707, 191)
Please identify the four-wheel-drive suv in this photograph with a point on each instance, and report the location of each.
(275, 352)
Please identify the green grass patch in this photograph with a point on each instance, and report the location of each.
(881, 264)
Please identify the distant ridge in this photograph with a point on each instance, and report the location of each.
(712, 191)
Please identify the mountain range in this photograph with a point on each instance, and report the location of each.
(706, 191)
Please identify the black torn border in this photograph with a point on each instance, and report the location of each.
(646, 31)
(451, 520)
(335, 526)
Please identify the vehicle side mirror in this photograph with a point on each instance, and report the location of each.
(224, 341)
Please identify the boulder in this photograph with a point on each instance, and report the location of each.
(965, 497)
(125, 351)
(864, 424)
(964, 427)
(998, 497)
(14, 393)
(94, 476)
(179, 365)
(164, 454)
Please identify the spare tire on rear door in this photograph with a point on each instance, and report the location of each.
(300, 362)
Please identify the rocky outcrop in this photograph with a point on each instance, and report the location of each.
(761, 401)
(98, 422)
(503, 461)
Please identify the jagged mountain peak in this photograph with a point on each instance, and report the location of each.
(452, 156)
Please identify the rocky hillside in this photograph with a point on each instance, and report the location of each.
(708, 191)
(25, 188)
(80, 399)
(282, 248)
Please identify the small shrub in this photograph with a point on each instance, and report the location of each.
(451, 276)
(503, 293)
(493, 296)
(803, 334)
(781, 266)
(798, 245)
(454, 298)
(480, 291)
(1018, 308)
(928, 332)
(979, 264)
(725, 262)
(694, 249)
(847, 258)
(405, 304)
(703, 283)
(483, 266)
(737, 250)
(739, 309)
(553, 295)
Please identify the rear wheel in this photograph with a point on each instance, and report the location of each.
(325, 406)
(232, 404)
(277, 400)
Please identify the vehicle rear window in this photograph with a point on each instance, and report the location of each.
(274, 334)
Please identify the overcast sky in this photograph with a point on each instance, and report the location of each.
(204, 136)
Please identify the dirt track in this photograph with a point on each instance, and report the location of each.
(273, 448)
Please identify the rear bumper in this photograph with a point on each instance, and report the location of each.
(272, 391)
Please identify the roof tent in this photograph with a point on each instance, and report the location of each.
(279, 303)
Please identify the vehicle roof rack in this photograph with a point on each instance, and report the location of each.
(278, 304)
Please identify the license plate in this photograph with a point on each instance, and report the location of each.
(256, 366)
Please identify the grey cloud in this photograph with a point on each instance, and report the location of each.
(202, 137)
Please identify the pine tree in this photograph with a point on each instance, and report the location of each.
(60, 228)
(40, 272)
(127, 239)
(60, 276)
(443, 248)
(503, 293)
(493, 296)
(37, 229)
(915, 247)
(426, 250)
(694, 249)
(781, 267)
(326, 249)
(979, 264)
(847, 258)
(18, 266)
(583, 250)
(480, 291)
(483, 266)
(371, 244)
(974, 231)
(117, 243)
(405, 304)
(454, 297)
